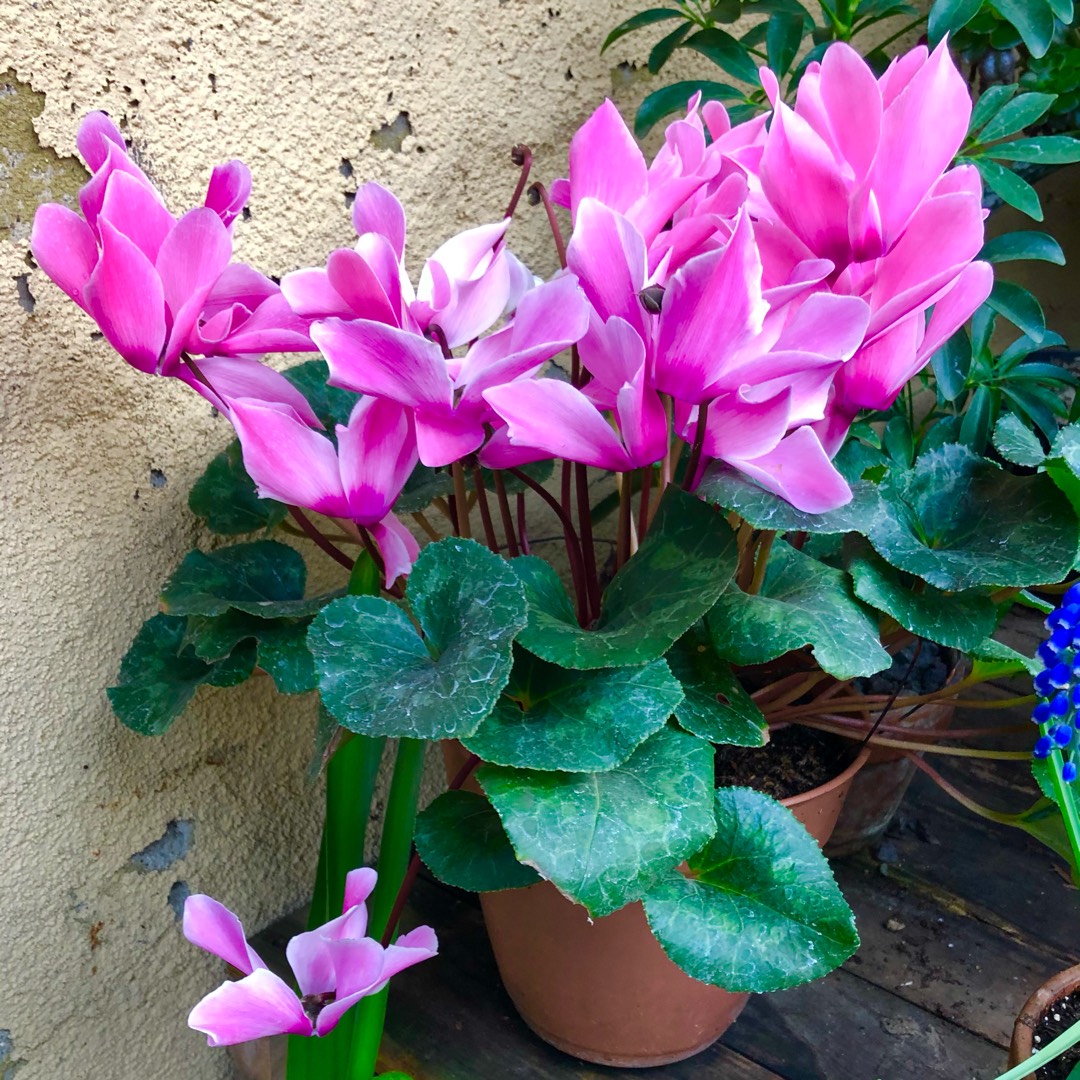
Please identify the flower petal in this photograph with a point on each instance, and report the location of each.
(133, 209)
(377, 453)
(125, 296)
(228, 190)
(211, 926)
(96, 132)
(311, 295)
(259, 1005)
(737, 428)
(799, 470)
(605, 163)
(377, 210)
(64, 246)
(359, 885)
(954, 309)
(398, 547)
(286, 459)
(359, 286)
(233, 377)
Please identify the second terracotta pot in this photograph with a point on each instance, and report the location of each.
(1054, 989)
(603, 989)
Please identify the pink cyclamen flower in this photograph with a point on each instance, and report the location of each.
(335, 966)
(152, 282)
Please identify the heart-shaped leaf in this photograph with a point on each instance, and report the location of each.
(160, 674)
(958, 521)
(604, 838)
(715, 706)
(378, 676)
(462, 842)
(575, 721)
(263, 578)
(759, 909)
(956, 620)
(686, 560)
(801, 602)
(226, 499)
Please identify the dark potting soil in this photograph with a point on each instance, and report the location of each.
(928, 673)
(795, 760)
(1062, 1014)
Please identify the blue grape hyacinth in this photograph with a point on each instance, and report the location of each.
(1058, 686)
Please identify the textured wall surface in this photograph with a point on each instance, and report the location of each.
(95, 979)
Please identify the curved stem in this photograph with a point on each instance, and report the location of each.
(506, 515)
(320, 541)
(690, 479)
(490, 538)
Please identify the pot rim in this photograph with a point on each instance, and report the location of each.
(1056, 987)
(831, 785)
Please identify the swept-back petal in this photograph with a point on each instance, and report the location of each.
(398, 547)
(239, 284)
(954, 309)
(64, 247)
(354, 280)
(476, 305)
(377, 453)
(233, 377)
(605, 163)
(879, 370)
(377, 210)
(799, 470)
(211, 926)
(411, 948)
(551, 415)
(272, 327)
(96, 132)
(189, 263)
(259, 1005)
(311, 295)
(377, 359)
(124, 295)
(738, 428)
(228, 190)
(132, 208)
(852, 103)
(287, 459)
(359, 885)
(92, 193)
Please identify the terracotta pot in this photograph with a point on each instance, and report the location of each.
(876, 793)
(1060, 985)
(604, 990)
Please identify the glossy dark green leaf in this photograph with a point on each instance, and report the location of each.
(759, 909)
(733, 491)
(638, 21)
(670, 99)
(553, 718)
(331, 404)
(226, 499)
(684, 563)
(957, 620)
(715, 706)
(378, 676)
(1018, 306)
(1043, 150)
(661, 52)
(1016, 115)
(958, 521)
(604, 838)
(782, 41)
(462, 842)
(951, 364)
(284, 655)
(1022, 245)
(991, 101)
(159, 675)
(1062, 465)
(724, 51)
(802, 602)
(725, 11)
(995, 660)
(1011, 188)
(1017, 443)
(1034, 19)
(947, 16)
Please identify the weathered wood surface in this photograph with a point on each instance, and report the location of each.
(960, 919)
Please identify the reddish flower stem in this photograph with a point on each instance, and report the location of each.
(317, 537)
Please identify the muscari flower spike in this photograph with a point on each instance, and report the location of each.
(1058, 685)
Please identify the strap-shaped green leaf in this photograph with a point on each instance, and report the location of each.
(759, 909)
(378, 676)
(604, 838)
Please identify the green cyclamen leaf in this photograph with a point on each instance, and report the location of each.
(604, 838)
(801, 602)
(378, 676)
(715, 706)
(575, 721)
(1016, 442)
(159, 675)
(226, 499)
(462, 842)
(684, 563)
(759, 909)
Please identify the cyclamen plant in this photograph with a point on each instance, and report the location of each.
(729, 309)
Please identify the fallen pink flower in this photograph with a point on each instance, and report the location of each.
(335, 967)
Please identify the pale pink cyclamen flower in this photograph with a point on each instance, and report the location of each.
(858, 174)
(335, 966)
(159, 286)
